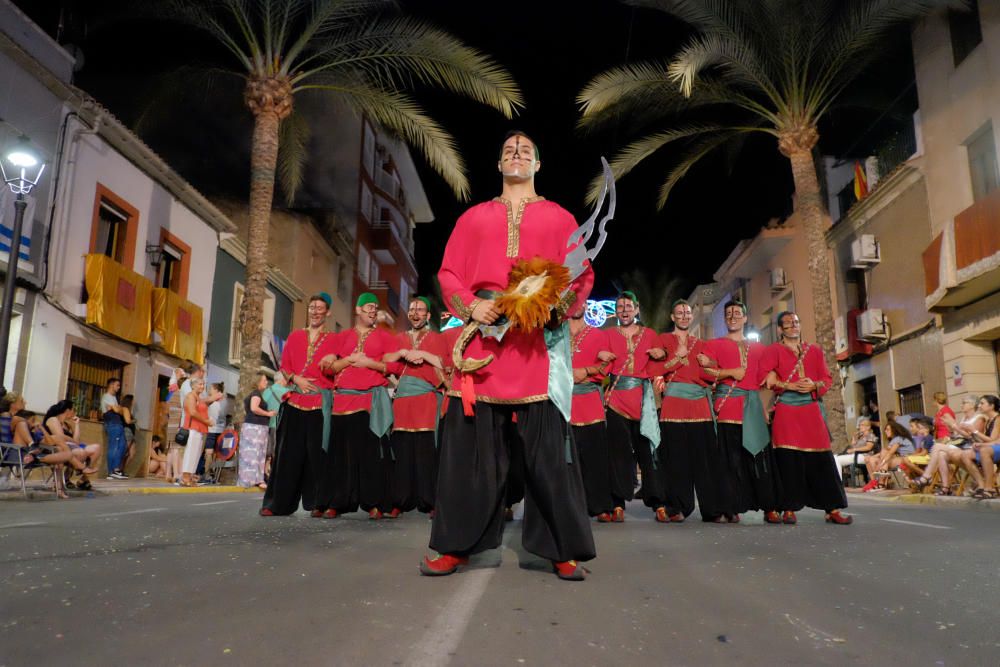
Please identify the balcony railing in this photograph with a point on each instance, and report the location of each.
(387, 184)
(896, 148)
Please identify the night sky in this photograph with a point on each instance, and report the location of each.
(552, 50)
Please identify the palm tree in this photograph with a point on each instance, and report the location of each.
(358, 53)
(754, 66)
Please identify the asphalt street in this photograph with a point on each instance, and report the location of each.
(200, 579)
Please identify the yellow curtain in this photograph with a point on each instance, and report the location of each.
(118, 300)
(178, 322)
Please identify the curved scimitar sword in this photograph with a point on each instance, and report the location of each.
(577, 257)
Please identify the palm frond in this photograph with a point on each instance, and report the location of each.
(734, 56)
(396, 51)
(293, 141)
(328, 17)
(693, 154)
(401, 116)
(609, 87)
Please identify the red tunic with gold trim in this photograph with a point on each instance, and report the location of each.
(727, 353)
(299, 359)
(487, 241)
(631, 360)
(376, 344)
(798, 426)
(676, 408)
(589, 408)
(419, 413)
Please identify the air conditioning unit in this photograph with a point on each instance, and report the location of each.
(847, 343)
(778, 282)
(865, 252)
(871, 325)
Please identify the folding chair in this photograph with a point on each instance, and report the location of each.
(12, 457)
(226, 446)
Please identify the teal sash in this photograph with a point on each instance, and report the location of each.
(691, 392)
(585, 388)
(410, 385)
(755, 433)
(326, 395)
(380, 415)
(798, 399)
(649, 423)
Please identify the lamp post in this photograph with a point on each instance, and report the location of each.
(17, 168)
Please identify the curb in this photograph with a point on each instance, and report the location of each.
(937, 501)
(100, 491)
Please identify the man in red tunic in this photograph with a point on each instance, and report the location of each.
(591, 358)
(797, 373)
(633, 432)
(362, 415)
(734, 362)
(304, 420)
(415, 411)
(689, 453)
(487, 241)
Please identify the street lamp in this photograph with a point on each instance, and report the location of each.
(21, 171)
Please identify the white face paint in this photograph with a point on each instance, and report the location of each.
(517, 158)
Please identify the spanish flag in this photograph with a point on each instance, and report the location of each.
(860, 182)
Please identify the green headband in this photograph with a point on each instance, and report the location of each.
(424, 300)
(365, 299)
(325, 298)
(627, 294)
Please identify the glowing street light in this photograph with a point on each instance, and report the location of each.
(18, 168)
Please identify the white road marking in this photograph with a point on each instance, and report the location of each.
(214, 502)
(23, 524)
(917, 523)
(151, 509)
(444, 635)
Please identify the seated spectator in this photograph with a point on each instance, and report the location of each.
(15, 429)
(941, 417)
(899, 445)
(157, 466)
(62, 427)
(949, 452)
(985, 450)
(863, 444)
(920, 433)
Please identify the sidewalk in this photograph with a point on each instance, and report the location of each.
(108, 487)
(905, 496)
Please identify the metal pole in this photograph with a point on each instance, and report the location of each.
(10, 283)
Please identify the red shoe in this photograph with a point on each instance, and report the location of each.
(570, 570)
(394, 514)
(676, 517)
(331, 514)
(789, 518)
(772, 517)
(375, 514)
(618, 515)
(838, 518)
(869, 486)
(265, 512)
(508, 514)
(443, 565)
(316, 514)
(604, 517)
(661, 515)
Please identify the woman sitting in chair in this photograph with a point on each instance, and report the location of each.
(15, 429)
(985, 450)
(899, 445)
(62, 427)
(863, 445)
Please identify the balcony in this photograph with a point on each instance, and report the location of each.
(119, 300)
(387, 184)
(177, 324)
(962, 264)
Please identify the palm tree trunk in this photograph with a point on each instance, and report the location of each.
(263, 159)
(810, 210)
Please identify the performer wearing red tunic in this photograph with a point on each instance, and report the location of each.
(487, 241)
(689, 451)
(797, 373)
(591, 358)
(631, 411)
(734, 362)
(415, 412)
(304, 419)
(362, 416)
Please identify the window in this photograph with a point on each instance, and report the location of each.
(404, 294)
(366, 202)
(364, 260)
(966, 31)
(113, 228)
(174, 265)
(369, 150)
(89, 373)
(236, 336)
(911, 400)
(982, 162)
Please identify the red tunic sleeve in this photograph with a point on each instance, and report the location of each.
(419, 413)
(296, 359)
(588, 408)
(675, 408)
(378, 343)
